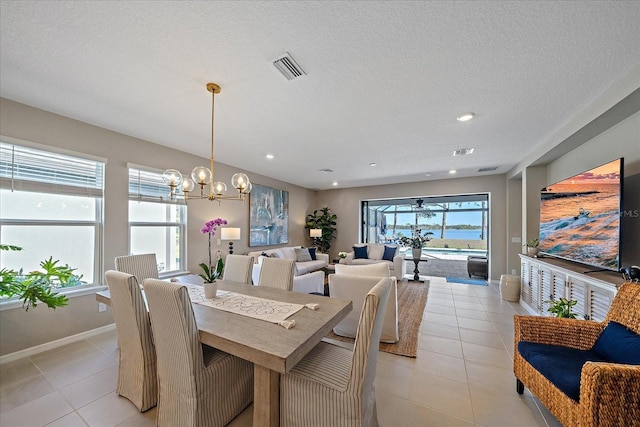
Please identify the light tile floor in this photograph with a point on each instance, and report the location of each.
(461, 377)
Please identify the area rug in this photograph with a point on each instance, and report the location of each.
(467, 281)
(412, 298)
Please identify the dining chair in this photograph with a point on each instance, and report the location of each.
(277, 273)
(334, 386)
(143, 266)
(137, 357)
(238, 268)
(198, 385)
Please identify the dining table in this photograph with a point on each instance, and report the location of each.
(272, 348)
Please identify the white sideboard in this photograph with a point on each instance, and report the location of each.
(545, 279)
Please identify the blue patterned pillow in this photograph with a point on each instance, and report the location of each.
(360, 252)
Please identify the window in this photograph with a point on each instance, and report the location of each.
(51, 206)
(156, 223)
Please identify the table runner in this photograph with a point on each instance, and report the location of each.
(245, 305)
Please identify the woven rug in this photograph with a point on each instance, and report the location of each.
(412, 298)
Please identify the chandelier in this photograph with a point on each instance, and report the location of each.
(203, 176)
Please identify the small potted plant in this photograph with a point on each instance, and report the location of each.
(532, 247)
(562, 308)
(416, 242)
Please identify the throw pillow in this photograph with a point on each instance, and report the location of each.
(375, 251)
(302, 255)
(389, 253)
(618, 344)
(360, 252)
(312, 252)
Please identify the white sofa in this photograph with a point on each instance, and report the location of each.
(375, 252)
(308, 275)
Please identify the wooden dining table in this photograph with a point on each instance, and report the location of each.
(271, 348)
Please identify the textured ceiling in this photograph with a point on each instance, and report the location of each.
(385, 80)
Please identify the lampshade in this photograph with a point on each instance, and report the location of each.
(230, 233)
(315, 232)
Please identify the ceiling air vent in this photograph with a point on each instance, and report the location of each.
(326, 170)
(489, 169)
(288, 66)
(463, 151)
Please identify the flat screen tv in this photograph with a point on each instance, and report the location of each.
(580, 217)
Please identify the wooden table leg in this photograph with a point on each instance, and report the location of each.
(266, 397)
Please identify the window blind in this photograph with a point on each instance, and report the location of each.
(148, 186)
(30, 169)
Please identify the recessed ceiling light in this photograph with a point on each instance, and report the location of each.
(465, 117)
(335, 184)
(373, 164)
(269, 156)
(427, 174)
(452, 171)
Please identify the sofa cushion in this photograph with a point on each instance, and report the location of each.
(375, 251)
(288, 252)
(377, 269)
(309, 266)
(360, 252)
(302, 255)
(560, 365)
(618, 344)
(389, 253)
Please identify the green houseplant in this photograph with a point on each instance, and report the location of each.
(532, 246)
(325, 220)
(562, 308)
(37, 286)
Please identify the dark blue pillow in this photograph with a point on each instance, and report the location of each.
(389, 253)
(360, 252)
(618, 344)
(312, 252)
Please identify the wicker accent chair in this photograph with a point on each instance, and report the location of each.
(609, 393)
(143, 266)
(238, 268)
(334, 386)
(198, 385)
(137, 368)
(277, 273)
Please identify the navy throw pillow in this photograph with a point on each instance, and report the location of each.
(312, 252)
(618, 344)
(360, 252)
(389, 253)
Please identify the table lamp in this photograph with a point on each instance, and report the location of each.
(230, 233)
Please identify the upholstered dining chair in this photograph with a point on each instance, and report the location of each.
(334, 386)
(238, 268)
(137, 368)
(198, 385)
(142, 266)
(353, 282)
(277, 273)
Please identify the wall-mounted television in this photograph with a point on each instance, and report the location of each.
(580, 217)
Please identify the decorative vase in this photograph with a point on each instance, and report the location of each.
(210, 290)
(532, 251)
(416, 253)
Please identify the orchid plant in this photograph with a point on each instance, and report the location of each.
(417, 240)
(210, 228)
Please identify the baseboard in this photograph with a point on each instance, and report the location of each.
(55, 344)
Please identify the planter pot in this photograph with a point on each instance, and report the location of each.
(210, 290)
(416, 253)
(532, 251)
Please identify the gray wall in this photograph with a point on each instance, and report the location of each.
(21, 330)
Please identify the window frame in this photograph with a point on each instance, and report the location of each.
(54, 187)
(157, 195)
